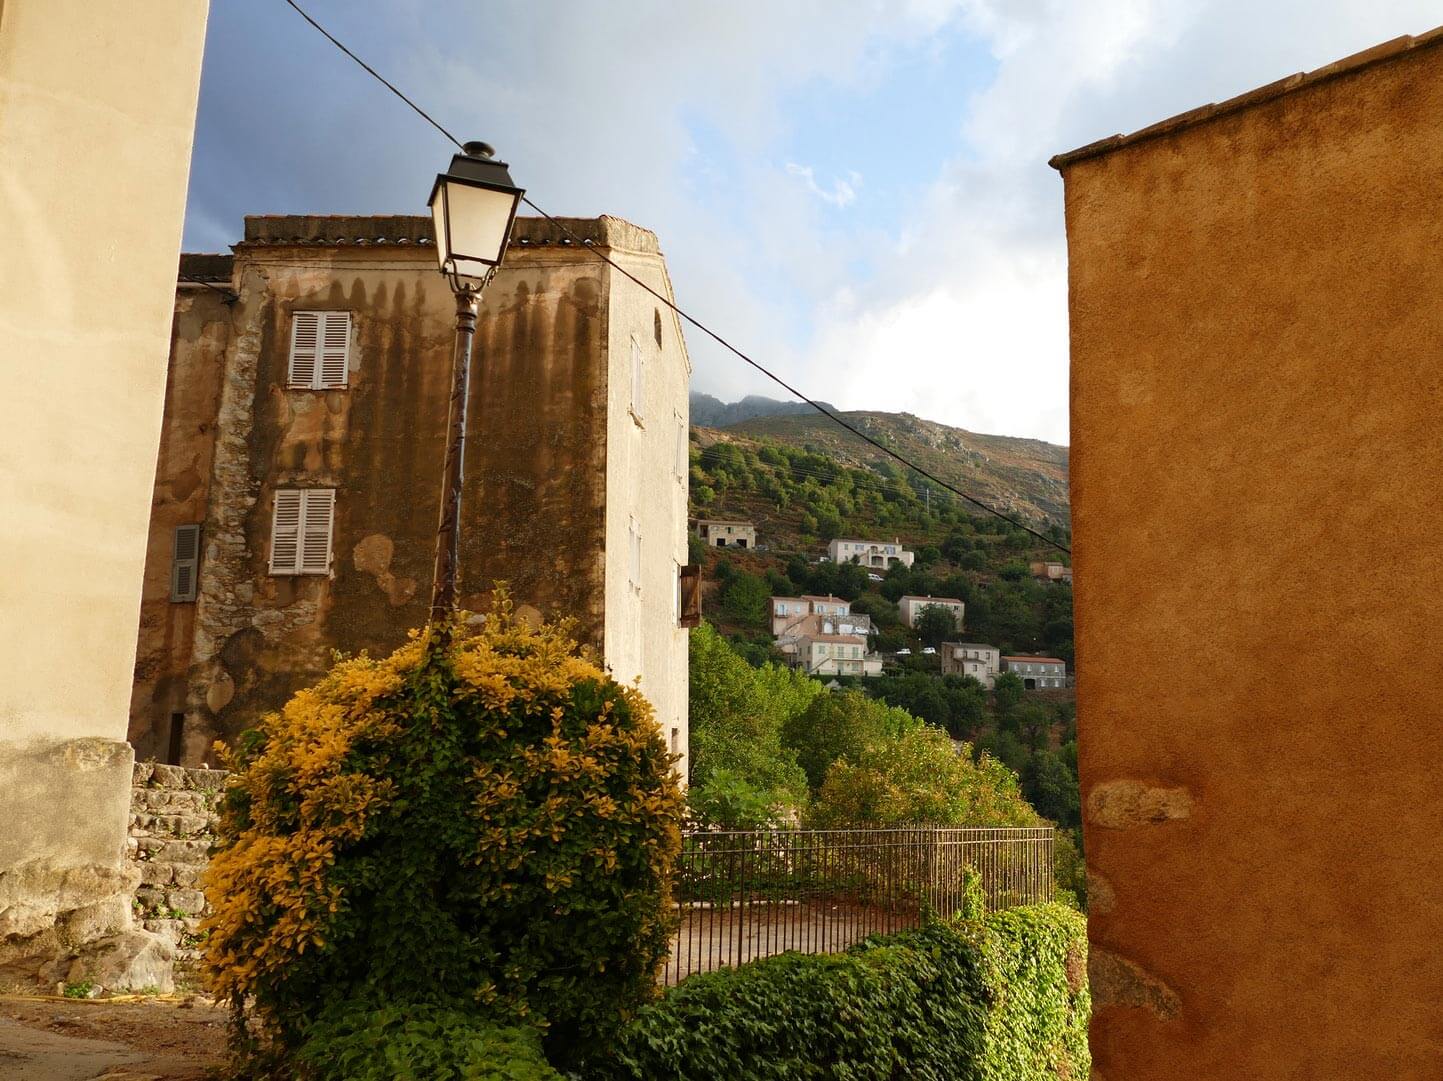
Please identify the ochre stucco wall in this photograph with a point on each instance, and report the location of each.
(550, 468)
(1257, 319)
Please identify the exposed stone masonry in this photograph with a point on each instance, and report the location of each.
(172, 822)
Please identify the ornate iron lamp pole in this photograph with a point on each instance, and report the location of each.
(473, 206)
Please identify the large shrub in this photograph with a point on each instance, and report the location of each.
(920, 776)
(487, 824)
(420, 1044)
(1001, 999)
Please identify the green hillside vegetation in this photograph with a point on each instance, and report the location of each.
(773, 742)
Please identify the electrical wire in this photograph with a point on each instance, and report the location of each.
(226, 294)
(683, 314)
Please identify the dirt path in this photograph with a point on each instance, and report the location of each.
(102, 1040)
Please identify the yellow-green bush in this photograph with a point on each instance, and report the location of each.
(486, 825)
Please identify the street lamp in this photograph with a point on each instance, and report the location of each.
(473, 206)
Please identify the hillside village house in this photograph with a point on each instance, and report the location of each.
(299, 474)
(836, 655)
(727, 534)
(1050, 571)
(1037, 673)
(981, 662)
(912, 607)
(787, 611)
(880, 554)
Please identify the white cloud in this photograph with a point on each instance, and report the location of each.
(676, 115)
(842, 193)
(968, 320)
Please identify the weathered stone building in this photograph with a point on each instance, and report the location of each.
(299, 475)
(1256, 295)
(97, 112)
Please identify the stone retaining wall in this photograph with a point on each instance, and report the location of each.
(172, 822)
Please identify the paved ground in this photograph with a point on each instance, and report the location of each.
(102, 1040)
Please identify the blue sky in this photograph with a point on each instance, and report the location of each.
(856, 191)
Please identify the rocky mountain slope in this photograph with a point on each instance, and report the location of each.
(1023, 477)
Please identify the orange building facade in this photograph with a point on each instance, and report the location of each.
(1256, 295)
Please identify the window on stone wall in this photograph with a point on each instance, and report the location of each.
(320, 350)
(301, 526)
(184, 562)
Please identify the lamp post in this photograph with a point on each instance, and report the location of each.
(473, 205)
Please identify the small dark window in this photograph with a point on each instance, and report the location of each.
(656, 325)
(176, 738)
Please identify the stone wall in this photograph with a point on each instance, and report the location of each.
(172, 820)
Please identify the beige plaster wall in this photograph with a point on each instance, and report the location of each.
(642, 636)
(1257, 311)
(97, 111)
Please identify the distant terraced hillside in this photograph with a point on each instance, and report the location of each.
(1024, 477)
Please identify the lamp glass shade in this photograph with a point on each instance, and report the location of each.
(473, 216)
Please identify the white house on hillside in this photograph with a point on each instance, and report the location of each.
(869, 553)
(912, 607)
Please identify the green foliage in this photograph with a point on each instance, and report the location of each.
(999, 999)
(486, 825)
(935, 624)
(1069, 871)
(919, 777)
(397, 1043)
(950, 703)
(840, 725)
(729, 801)
(736, 716)
(744, 599)
(1007, 691)
(79, 989)
(1050, 785)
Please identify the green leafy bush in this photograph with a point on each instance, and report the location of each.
(919, 777)
(487, 826)
(1001, 999)
(420, 1044)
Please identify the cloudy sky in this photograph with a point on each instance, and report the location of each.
(855, 191)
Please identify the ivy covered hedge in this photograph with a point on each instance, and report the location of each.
(1004, 998)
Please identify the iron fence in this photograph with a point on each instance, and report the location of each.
(748, 894)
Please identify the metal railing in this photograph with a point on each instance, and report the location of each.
(742, 895)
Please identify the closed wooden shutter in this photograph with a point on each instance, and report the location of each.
(689, 583)
(184, 562)
(305, 349)
(320, 350)
(286, 532)
(335, 350)
(320, 505)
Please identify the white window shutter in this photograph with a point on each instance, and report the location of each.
(319, 514)
(305, 349)
(335, 349)
(286, 532)
(184, 562)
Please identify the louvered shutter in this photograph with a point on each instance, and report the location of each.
(320, 504)
(184, 562)
(305, 349)
(689, 586)
(286, 532)
(335, 349)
